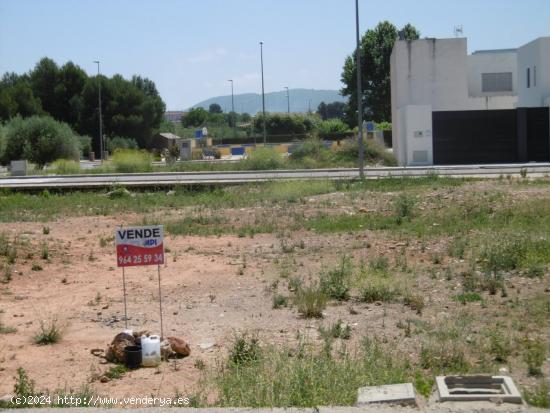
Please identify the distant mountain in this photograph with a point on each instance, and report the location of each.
(301, 100)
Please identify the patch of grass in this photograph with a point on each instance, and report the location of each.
(534, 356)
(244, 351)
(132, 161)
(50, 332)
(467, 297)
(379, 265)
(458, 246)
(45, 230)
(310, 301)
(65, 167)
(324, 223)
(6, 330)
(539, 396)
(415, 302)
(336, 330)
(279, 301)
(36, 267)
(499, 346)
(335, 283)
(200, 225)
(44, 251)
(116, 372)
(300, 376)
(403, 208)
(7, 276)
(423, 384)
(443, 356)
(378, 290)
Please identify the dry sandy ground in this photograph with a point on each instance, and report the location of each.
(212, 287)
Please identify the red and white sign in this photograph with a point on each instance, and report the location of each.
(139, 246)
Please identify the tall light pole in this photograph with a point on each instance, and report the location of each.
(287, 100)
(359, 95)
(263, 90)
(100, 117)
(232, 97)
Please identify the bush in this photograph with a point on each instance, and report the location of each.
(335, 283)
(374, 153)
(244, 351)
(119, 142)
(312, 148)
(65, 167)
(40, 139)
(403, 207)
(49, 332)
(132, 161)
(85, 145)
(262, 159)
(332, 126)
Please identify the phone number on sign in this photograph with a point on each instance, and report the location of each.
(141, 259)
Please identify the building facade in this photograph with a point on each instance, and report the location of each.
(430, 77)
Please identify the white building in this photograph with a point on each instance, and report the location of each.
(432, 75)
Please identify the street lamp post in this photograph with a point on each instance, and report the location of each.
(100, 117)
(232, 97)
(263, 90)
(359, 95)
(287, 100)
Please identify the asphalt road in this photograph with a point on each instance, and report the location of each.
(187, 178)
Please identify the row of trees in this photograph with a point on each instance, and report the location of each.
(131, 109)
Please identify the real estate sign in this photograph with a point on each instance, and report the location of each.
(137, 246)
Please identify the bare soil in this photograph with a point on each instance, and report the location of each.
(212, 288)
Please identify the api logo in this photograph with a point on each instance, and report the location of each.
(150, 242)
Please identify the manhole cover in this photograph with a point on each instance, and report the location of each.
(474, 388)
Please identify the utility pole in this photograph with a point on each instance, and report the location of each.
(100, 117)
(232, 97)
(359, 96)
(287, 100)
(263, 90)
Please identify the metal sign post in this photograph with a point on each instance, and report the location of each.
(160, 306)
(125, 308)
(140, 246)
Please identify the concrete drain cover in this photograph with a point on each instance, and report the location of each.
(475, 388)
(392, 393)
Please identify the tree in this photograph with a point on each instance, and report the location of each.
(195, 117)
(376, 47)
(39, 139)
(334, 110)
(17, 97)
(215, 108)
(131, 109)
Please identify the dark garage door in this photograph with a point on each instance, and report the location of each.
(475, 136)
(538, 130)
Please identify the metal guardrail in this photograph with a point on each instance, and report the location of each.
(205, 177)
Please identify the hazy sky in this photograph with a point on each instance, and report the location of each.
(190, 48)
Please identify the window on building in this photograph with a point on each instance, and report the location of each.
(528, 77)
(496, 82)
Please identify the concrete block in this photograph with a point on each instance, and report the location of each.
(402, 393)
(477, 388)
(18, 168)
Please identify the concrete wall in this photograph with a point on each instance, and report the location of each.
(439, 74)
(535, 56)
(491, 61)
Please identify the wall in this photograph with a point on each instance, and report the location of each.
(491, 61)
(534, 54)
(439, 74)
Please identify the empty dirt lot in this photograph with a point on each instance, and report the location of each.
(388, 281)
